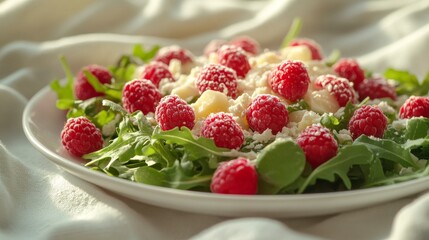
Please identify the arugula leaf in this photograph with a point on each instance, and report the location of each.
(373, 172)
(177, 178)
(65, 95)
(151, 176)
(416, 128)
(388, 150)
(294, 31)
(400, 178)
(408, 84)
(333, 123)
(419, 147)
(115, 94)
(124, 70)
(143, 55)
(195, 148)
(279, 165)
(339, 166)
(333, 58)
(300, 105)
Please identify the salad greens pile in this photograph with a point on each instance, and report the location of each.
(138, 150)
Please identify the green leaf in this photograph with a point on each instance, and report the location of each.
(416, 128)
(333, 58)
(279, 165)
(294, 31)
(400, 178)
(388, 150)
(65, 95)
(142, 54)
(195, 148)
(151, 176)
(339, 166)
(333, 123)
(424, 86)
(124, 70)
(419, 147)
(115, 107)
(408, 83)
(177, 178)
(102, 88)
(373, 172)
(65, 104)
(300, 105)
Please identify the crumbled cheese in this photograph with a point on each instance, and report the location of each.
(344, 136)
(238, 108)
(399, 124)
(309, 118)
(265, 136)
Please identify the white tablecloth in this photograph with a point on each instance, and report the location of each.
(38, 200)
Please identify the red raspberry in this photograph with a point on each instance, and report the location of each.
(83, 89)
(350, 69)
(234, 58)
(247, 43)
(316, 52)
(155, 72)
(217, 78)
(289, 79)
(224, 130)
(415, 107)
(368, 120)
(173, 112)
(376, 88)
(80, 136)
(318, 144)
(213, 46)
(267, 112)
(140, 94)
(340, 88)
(236, 176)
(166, 54)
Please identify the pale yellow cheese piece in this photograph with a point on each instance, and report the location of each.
(210, 102)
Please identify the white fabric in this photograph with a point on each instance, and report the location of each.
(41, 201)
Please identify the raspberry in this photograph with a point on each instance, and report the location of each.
(224, 130)
(234, 58)
(237, 176)
(217, 78)
(80, 136)
(173, 112)
(350, 69)
(376, 88)
(83, 89)
(289, 79)
(166, 54)
(267, 112)
(318, 144)
(415, 107)
(155, 72)
(247, 43)
(140, 94)
(213, 46)
(368, 120)
(315, 49)
(340, 88)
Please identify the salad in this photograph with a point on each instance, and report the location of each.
(242, 120)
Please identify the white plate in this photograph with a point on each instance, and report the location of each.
(43, 123)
